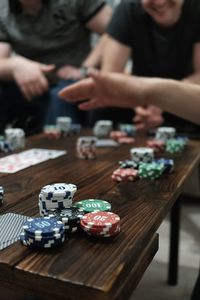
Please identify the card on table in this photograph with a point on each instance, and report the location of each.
(16, 162)
(10, 228)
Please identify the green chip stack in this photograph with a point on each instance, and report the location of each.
(174, 146)
(150, 171)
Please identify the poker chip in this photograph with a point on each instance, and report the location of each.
(43, 227)
(101, 224)
(128, 164)
(86, 147)
(165, 133)
(167, 163)
(126, 140)
(63, 124)
(16, 137)
(174, 146)
(150, 171)
(1, 195)
(74, 129)
(41, 233)
(115, 135)
(70, 218)
(93, 205)
(102, 128)
(129, 129)
(157, 145)
(128, 174)
(52, 132)
(142, 154)
(6, 146)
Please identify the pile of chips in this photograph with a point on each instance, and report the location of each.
(165, 133)
(102, 128)
(52, 132)
(128, 164)
(174, 146)
(56, 196)
(150, 171)
(129, 129)
(93, 205)
(142, 155)
(86, 147)
(157, 145)
(101, 224)
(41, 233)
(63, 124)
(16, 137)
(1, 195)
(116, 135)
(168, 164)
(127, 174)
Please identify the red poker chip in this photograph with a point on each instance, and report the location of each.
(115, 135)
(99, 229)
(157, 145)
(126, 140)
(102, 231)
(127, 174)
(101, 219)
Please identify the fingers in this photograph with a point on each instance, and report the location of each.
(91, 104)
(78, 91)
(46, 68)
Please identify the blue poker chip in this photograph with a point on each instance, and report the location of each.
(44, 244)
(168, 164)
(43, 226)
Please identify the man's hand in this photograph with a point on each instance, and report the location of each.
(147, 118)
(29, 76)
(106, 89)
(69, 72)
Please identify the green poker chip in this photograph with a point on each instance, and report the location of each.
(93, 205)
(175, 146)
(150, 171)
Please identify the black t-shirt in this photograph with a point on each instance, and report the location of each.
(157, 52)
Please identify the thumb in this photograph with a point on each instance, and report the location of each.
(93, 73)
(46, 68)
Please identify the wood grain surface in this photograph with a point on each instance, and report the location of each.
(88, 268)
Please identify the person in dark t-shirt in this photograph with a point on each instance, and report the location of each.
(163, 39)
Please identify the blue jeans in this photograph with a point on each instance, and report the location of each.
(59, 107)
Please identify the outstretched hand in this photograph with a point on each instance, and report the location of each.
(105, 89)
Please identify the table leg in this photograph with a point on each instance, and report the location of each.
(174, 242)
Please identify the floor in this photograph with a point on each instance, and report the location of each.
(153, 285)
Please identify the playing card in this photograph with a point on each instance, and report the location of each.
(16, 162)
(10, 228)
(106, 143)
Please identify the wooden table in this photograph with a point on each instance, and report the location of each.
(85, 268)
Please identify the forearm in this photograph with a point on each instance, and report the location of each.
(95, 57)
(193, 78)
(6, 68)
(181, 99)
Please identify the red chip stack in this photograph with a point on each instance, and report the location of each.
(101, 224)
(127, 174)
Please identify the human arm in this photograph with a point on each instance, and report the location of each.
(108, 89)
(29, 75)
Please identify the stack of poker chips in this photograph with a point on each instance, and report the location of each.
(165, 133)
(127, 174)
(70, 217)
(142, 155)
(174, 146)
(102, 128)
(150, 171)
(128, 164)
(157, 145)
(63, 124)
(1, 195)
(129, 129)
(56, 196)
(101, 224)
(116, 135)
(6, 146)
(86, 147)
(167, 163)
(52, 131)
(74, 129)
(43, 233)
(93, 205)
(16, 137)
